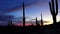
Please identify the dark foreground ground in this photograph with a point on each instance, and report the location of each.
(31, 29)
(48, 29)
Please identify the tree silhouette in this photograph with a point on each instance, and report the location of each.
(53, 10)
(23, 15)
(37, 24)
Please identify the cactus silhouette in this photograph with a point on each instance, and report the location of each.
(10, 23)
(37, 24)
(23, 15)
(53, 10)
(41, 22)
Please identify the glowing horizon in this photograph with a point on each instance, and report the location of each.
(33, 9)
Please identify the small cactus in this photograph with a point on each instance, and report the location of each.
(37, 24)
(41, 21)
(10, 23)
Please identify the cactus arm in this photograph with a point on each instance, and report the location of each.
(53, 9)
(50, 8)
(56, 7)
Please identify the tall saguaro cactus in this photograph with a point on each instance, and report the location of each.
(53, 9)
(23, 14)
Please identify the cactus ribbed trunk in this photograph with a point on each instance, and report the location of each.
(54, 19)
(23, 15)
(53, 9)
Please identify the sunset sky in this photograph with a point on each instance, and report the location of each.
(33, 9)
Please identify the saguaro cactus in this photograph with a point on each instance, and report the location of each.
(53, 9)
(41, 24)
(37, 22)
(23, 15)
(41, 21)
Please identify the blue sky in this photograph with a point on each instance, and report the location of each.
(33, 8)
